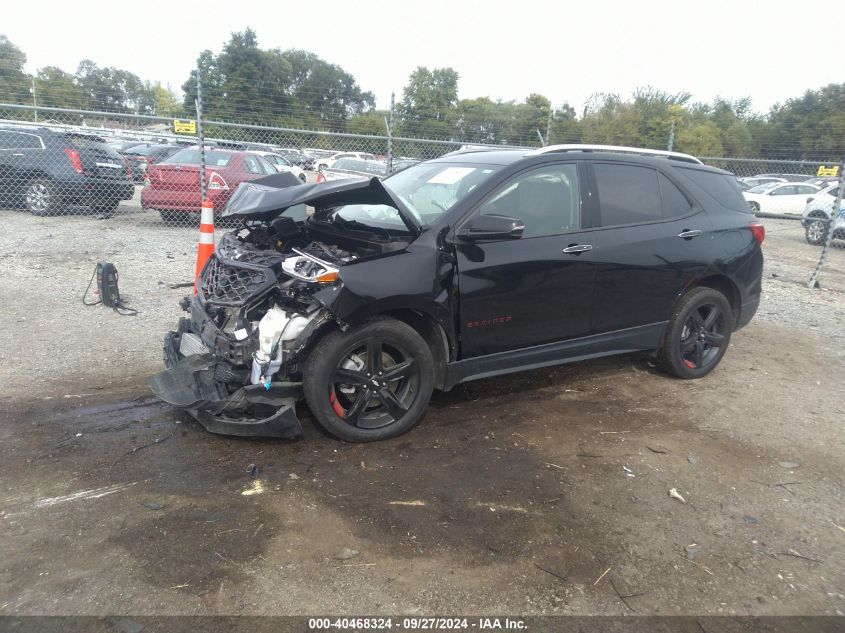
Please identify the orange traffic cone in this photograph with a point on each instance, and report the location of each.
(206, 245)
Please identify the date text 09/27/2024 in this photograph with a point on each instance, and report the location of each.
(416, 624)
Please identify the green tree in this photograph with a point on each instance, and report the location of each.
(371, 123)
(165, 102)
(113, 89)
(428, 102)
(58, 89)
(14, 82)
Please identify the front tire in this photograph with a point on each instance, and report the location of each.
(372, 382)
(698, 334)
(754, 206)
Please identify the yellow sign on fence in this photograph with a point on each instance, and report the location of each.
(827, 171)
(184, 126)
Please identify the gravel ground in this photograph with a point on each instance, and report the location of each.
(514, 494)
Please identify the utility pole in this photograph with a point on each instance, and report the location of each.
(549, 127)
(389, 123)
(671, 136)
(34, 102)
(200, 136)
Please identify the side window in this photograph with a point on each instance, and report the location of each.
(547, 200)
(786, 190)
(267, 167)
(627, 194)
(252, 166)
(805, 190)
(675, 203)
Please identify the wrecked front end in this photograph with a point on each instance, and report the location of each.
(235, 362)
(232, 363)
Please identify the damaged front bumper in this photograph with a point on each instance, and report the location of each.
(192, 383)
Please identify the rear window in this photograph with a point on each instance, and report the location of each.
(191, 156)
(722, 187)
(86, 142)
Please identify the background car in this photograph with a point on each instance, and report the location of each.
(282, 164)
(779, 198)
(296, 157)
(173, 186)
(816, 216)
(353, 168)
(47, 170)
(142, 156)
(788, 177)
(323, 163)
(756, 181)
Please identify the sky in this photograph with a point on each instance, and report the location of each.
(564, 50)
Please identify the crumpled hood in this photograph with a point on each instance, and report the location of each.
(266, 197)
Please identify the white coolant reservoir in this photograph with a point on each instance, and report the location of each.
(274, 328)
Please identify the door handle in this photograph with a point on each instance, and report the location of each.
(688, 235)
(577, 249)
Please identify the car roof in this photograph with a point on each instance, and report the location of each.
(510, 156)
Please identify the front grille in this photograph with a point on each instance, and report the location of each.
(226, 284)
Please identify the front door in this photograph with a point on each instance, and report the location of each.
(516, 293)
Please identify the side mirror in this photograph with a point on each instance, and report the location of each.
(492, 227)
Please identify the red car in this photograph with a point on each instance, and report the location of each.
(173, 185)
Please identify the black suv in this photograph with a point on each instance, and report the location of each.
(47, 170)
(472, 265)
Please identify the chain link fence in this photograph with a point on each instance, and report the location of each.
(141, 173)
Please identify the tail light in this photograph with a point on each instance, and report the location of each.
(127, 166)
(216, 181)
(758, 231)
(320, 177)
(75, 161)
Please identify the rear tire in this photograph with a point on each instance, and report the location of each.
(372, 382)
(754, 206)
(106, 210)
(169, 217)
(698, 334)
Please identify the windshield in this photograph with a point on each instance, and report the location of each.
(764, 188)
(429, 190)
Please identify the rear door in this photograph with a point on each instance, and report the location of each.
(651, 240)
(516, 293)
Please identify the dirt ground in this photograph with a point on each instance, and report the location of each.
(540, 493)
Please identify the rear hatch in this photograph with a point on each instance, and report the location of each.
(180, 172)
(98, 159)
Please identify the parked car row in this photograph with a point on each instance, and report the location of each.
(352, 168)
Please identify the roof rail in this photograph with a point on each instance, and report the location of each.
(549, 149)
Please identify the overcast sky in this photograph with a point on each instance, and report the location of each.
(566, 51)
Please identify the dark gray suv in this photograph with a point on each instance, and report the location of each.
(46, 171)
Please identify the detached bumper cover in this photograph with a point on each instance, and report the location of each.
(190, 385)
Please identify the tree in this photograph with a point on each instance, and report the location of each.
(165, 102)
(285, 88)
(14, 82)
(371, 123)
(428, 101)
(56, 88)
(114, 89)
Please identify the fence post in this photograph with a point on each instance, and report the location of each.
(200, 137)
(390, 135)
(834, 214)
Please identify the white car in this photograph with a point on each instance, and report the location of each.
(324, 163)
(779, 198)
(283, 164)
(754, 181)
(816, 216)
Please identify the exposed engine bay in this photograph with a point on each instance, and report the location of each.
(233, 361)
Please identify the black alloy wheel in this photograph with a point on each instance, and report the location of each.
(371, 382)
(698, 334)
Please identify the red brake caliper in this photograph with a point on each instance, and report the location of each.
(689, 363)
(336, 405)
